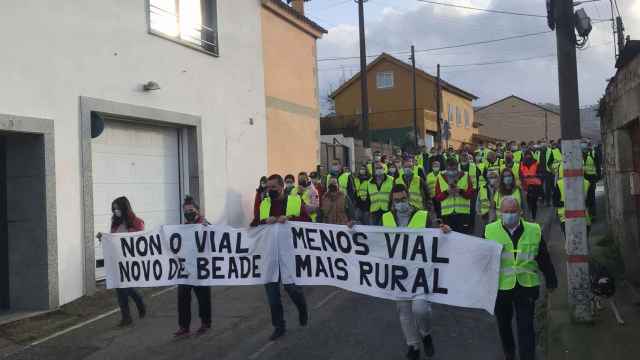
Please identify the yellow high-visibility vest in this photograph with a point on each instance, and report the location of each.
(294, 207)
(415, 191)
(419, 220)
(455, 204)
(560, 211)
(380, 197)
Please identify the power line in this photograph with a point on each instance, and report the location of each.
(484, 42)
(503, 12)
(500, 61)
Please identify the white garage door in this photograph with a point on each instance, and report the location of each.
(140, 162)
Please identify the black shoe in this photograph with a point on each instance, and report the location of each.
(142, 312)
(429, 350)
(304, 318)
(125, 322)
(413, 353)
(277, 333)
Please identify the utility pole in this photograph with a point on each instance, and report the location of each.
(438, 109)
(620, 33)
(366, 136)
(415, 95)
(577, 247)
(546, 126)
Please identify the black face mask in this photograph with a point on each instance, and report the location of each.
(303, 183)
(190, 216)
(274, 194)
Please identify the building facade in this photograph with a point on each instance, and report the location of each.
(620, 124)
(177, 88)
(391, 106)
(291, 87)
(514, 118)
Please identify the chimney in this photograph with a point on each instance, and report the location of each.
(298, 5)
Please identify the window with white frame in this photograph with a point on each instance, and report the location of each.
(189, 22)
(466, 118)
(450, 115)
(458, 117)
(384, 80)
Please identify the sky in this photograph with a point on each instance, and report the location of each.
(394, 25)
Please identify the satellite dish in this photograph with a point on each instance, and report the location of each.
(97, 124)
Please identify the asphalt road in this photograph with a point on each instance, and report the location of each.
(342, 326)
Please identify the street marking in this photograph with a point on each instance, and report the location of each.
(82, 324)
(257, 354)
(325, 300)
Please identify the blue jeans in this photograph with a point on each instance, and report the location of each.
(123, 301)
(275, 302)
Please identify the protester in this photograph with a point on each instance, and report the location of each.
(485, 206)
(309, 195)
(279, 208)
(316, 180)
(192, 215)
(507, 187)
(415, 315)
(289, 184)
(559, 197)
(524, 254)
(417, 187)
(362, 203)
(545, 162)
(510, 163)
(379, 188)
(393, 171)
(530, 175)
(124, 220)
(454, 191)
(345, 180)
(336, 206)
(467, 166)
(432, 178)
(261, 193)
(591, 173)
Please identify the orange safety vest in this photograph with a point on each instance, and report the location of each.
(530, 175)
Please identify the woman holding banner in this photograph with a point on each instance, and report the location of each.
(415, 315)
(124, 220)
(203, 293)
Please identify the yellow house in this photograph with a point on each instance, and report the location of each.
(291, 87)
(391, 105)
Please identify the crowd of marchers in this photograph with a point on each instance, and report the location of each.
(491, 190)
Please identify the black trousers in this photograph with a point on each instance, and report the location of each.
(459, 223)
(591, 194)
(437, 207)
(376, 218)
(203, 294)
(548, 187)
(123, 301)
(275, 301)
(472, 218)
(523, 300)
(533, 193)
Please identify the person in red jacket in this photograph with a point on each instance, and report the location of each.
(457, 218)
(261, 193)
(124, 220)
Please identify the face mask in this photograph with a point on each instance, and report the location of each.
(377, 158)
(190, 216)
(493, 182)
(510, 219)
(303, 183)
(514, 148)
(583, 146)
(289, 185)
(509, 160)
(335, 169)
(392, 171)
(263, 184)
(408, 171)
(402, 207)
(508, 180)
(117, 213)
(436, 169)
(333, 187)
(379, 172)
(478, 158)
(464, 162)
(273, 194)
(452, 174)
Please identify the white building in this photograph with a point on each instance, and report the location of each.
(70, 63)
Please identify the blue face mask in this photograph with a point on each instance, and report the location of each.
(510, 219)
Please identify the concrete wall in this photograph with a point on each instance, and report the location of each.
(102, 49)
(291, 89)
(620, 125)
(514, 119)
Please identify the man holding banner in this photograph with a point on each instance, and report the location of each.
(524, 254)
(278, 208)
(415, 315)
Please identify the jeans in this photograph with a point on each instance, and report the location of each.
(415, 320)
(362, 216)
(275, 302)
(523, 300)
(203, 294)
(123, 301)
(376, 218)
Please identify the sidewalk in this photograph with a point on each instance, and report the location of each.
(604, 339)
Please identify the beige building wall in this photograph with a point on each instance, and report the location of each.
(291, 89)
(516, 119)
(462, 131)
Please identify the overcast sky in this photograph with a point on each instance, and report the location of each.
(393, 25)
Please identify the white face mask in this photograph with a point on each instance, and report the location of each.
(117, 213)
(510, 219)
(402, 207)
(379, 172)
(436, 169)
(408, 170)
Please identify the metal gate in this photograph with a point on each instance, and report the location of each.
(335, 151)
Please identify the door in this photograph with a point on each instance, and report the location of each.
(142, 163)
(4, 234)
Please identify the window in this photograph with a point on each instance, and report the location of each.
(450, 116)
(458, 117)
(189, 22)
(384, 80)
(466, 118)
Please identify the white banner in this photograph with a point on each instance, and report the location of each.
(396, 264)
